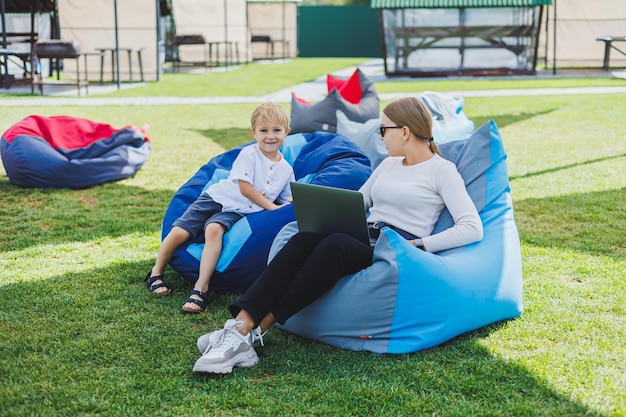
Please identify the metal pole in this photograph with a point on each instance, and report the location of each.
(117, 46)
(159, 41)
(554, 40)
(4, 30)
(7, 84)
(547, 34)
(226, 46)
(284, 36)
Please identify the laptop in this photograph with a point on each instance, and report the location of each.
(327, 210)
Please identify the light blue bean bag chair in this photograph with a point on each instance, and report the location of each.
(410, 300)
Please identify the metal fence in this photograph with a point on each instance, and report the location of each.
(338, 31)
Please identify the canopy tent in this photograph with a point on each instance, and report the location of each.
(444, 37)
(27, 6)
(114, 24)
(23, 22)
(276, 22)
(572, 27)
(217, 21)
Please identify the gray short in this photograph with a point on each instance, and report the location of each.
(204, 211)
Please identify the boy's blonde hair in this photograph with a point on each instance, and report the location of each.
(272, 112)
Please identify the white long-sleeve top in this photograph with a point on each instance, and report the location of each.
(413, 197)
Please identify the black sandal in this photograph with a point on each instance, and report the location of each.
(202, 303)
(149, 280)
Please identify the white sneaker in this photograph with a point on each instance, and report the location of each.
(228, 348)
(205, 341)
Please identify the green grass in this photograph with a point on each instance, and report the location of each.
(80, 335)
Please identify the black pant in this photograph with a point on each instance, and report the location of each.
(304, 269)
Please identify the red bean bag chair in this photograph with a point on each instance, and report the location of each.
(70, 152)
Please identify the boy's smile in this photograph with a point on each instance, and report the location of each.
(270, 136)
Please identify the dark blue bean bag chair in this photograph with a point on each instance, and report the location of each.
(70, 152)
(318, 158)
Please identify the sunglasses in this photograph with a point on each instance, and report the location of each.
(382, 129)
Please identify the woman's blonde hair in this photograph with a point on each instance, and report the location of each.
(413, 113)
(270, 111)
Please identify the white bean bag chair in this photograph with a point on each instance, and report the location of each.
(410, 300)
(449, 124)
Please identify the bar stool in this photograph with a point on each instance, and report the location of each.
(129, 52)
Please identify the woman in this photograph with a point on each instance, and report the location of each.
(407, 192)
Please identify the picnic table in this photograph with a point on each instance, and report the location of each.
(608, 45)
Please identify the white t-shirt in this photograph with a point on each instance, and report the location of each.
(413, 197)
(270, 178)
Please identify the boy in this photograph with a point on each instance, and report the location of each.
(259, 177)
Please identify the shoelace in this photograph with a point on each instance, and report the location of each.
(217, 338)
(260, 335)
(220, 338)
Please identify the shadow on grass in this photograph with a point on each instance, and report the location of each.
(503, 120)
(560, 168)
(97, 342)
(34, 216)
(586, 222)
(227, 138)
(460, 377)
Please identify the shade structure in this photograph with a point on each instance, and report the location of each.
(94, 25)
(218, 21)
(278, 20)
(570, 40)
(437, 37)
(13, 35)
(437, 4)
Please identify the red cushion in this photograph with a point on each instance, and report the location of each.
(349, 89)
(300, 100)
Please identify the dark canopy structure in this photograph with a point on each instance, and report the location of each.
(25, 6)
(448, 37)
(32, 7)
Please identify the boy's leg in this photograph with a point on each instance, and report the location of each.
(214, 230)
(183, 229)
(213, 235)
(174, 239)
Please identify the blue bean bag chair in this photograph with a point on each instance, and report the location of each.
(319, 158)
(410, 300)
(70, 152)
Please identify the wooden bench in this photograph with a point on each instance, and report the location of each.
(231, 50)
(269, 50)
(114, 75)
(608, 45)
(408, 39)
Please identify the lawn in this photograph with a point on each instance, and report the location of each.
(81, 336)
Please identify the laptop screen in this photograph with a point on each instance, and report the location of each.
(328, 210)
